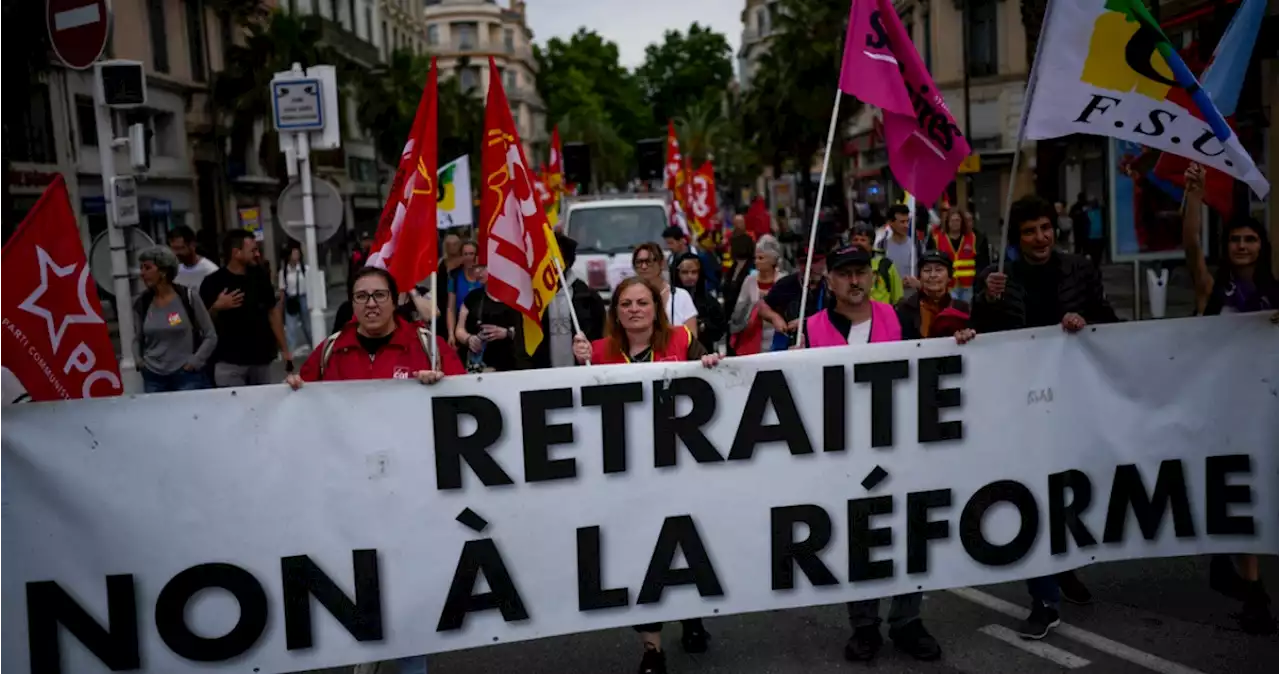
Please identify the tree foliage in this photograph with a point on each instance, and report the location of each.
(572, 73)
(388, 102)
(788, 108)
(24, 47)
(241, 91)
(684, 70)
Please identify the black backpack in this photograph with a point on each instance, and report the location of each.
(186, 296)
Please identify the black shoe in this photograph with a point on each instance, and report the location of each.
(1037, 625)
(1072, 589)
(914, 640)
(653, 662)
(1255, 617)
(1225, 580)
(864, 644)
(694, 638)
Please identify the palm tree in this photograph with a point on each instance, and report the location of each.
(701, 129)
(241, 92)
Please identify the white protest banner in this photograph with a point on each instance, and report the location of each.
(454, 180)
(189, 532)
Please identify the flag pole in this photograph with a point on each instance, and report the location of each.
(817, 210)
(568, 297)
(435, 320)
(1017, 146)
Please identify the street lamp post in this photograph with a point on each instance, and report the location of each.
(964, 198)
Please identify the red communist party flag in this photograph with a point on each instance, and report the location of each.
(55, 342)
(406, 242)
(702, 199)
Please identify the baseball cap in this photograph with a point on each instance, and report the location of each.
(935, 257)
(847, 256)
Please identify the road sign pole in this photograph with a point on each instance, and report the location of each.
(119, 260)
(315, 293)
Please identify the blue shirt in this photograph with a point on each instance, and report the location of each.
(461, 287)
(1095, 223)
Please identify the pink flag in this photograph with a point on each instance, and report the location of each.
(882, 68)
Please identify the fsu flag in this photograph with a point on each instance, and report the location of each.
(405, 244)
(55, 342)
(516, 243)
(702, 200)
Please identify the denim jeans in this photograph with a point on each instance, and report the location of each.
(227, 375)
(182, 380)
(1044, 589)
(297, 327)
(903, 609)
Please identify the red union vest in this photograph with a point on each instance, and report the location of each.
(963, 261)
(603, 353)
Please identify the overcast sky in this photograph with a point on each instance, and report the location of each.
(633, 24)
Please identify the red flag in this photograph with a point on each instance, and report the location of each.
(407, 237)
(758, 219)
(55, 341)
(671, 174)
(702, 200)
(555, 167)
(516, 243)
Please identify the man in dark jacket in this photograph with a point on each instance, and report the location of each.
(1043, 287)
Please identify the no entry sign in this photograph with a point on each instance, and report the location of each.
(78, 30)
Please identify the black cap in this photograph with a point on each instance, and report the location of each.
(935, 257)
(849, 255)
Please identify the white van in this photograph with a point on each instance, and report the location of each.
(607, 228)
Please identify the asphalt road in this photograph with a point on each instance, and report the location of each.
(1154, 615)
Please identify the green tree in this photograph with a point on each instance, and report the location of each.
(24, 47)
(702, 130)
(240, 94)
(685, 69)
(788, 108)
(618, 92)
(588, 121)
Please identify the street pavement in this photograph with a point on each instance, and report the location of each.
(1155, 615)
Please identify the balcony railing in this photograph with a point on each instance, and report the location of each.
(343, 40)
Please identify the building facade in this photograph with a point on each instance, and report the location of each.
(465, 33)
(402, 27)
(757, 28)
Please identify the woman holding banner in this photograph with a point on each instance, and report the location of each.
(637, 332)
(1243, 283)
(378, 344)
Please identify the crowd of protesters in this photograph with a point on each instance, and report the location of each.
(201, 325)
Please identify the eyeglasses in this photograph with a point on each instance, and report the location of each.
(378, 296)
(644, 261)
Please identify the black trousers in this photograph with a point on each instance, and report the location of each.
(657, 627)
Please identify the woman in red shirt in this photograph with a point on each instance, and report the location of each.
(378, 344)
(637, 331)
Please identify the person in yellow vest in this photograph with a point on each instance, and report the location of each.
(887, 286)
(967, 249)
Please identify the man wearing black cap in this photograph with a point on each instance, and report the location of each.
(853, 317)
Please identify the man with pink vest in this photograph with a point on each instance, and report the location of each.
(852, 317)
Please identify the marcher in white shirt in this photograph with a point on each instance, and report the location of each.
(192, 268)
(677, 302)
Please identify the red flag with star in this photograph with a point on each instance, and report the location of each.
(55, 342)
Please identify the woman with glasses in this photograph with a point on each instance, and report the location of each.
(637, 332)
(1243, 283)
(378, 343)
(677, 303)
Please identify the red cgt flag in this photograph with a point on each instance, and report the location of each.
(406, 242)
(55, 341)
(516, 243)
(702, 200)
